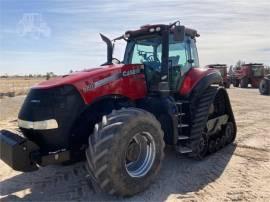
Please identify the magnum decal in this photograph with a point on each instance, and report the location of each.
(111, 78)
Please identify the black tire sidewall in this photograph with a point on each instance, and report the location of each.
(244, 83)
(236, 83)
(264, 87)
(227, 84)
(121, 179)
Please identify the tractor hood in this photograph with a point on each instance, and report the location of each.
(124, 80)
(51, 107)
(85, 75)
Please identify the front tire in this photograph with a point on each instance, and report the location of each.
(125, 152)
(265, 87)
(244, 83)
(236, 83)
(227, 84)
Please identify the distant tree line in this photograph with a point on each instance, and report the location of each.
(48, 75)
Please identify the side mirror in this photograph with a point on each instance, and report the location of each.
(179, 33)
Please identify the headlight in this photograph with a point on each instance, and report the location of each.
(38, 125)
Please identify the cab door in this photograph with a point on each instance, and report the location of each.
(182, 57)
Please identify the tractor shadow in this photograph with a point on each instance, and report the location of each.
(179, 175)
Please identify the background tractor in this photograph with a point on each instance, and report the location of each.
(120, 116)
(247, 74)
(223, 69)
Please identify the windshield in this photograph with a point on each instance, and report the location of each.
(258, 71)
(146, 50)
(222, 72)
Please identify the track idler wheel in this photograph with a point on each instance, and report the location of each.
(223, 141)
(229, 132)
(212, 146)
(203, 146)
(218, 144)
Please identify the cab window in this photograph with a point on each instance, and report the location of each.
(142, 53)
(178, 61)
(178, 54)
(194, 54)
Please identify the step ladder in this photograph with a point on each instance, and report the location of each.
(181, 139)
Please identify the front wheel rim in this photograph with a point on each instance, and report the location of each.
(140, 154)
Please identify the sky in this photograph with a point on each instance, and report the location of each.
(39, 36)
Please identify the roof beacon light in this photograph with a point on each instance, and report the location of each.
(151, 29)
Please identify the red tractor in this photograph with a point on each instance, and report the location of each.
(222, 68)
(120, 116)
(246, 74)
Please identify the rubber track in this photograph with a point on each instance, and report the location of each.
(199, 121)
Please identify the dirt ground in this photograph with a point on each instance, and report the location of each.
(239, 172)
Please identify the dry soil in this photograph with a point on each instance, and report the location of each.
(239, 172)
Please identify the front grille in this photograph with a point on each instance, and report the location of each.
(61, 103)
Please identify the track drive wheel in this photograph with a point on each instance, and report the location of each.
(125, 152)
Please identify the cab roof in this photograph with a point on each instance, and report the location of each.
(217, 66)
(157, 28)
(253, 64)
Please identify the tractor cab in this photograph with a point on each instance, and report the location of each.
(222, 68)
(167, 52)
(252, 69)
(251, 73)
(257, 70)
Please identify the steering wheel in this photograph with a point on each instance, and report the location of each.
(150, 58)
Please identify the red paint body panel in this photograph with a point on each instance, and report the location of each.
(192, 78)
(132, 86)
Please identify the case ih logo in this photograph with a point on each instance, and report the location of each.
(111, 78)
(131, 72)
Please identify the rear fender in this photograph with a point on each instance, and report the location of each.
(198, 80)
